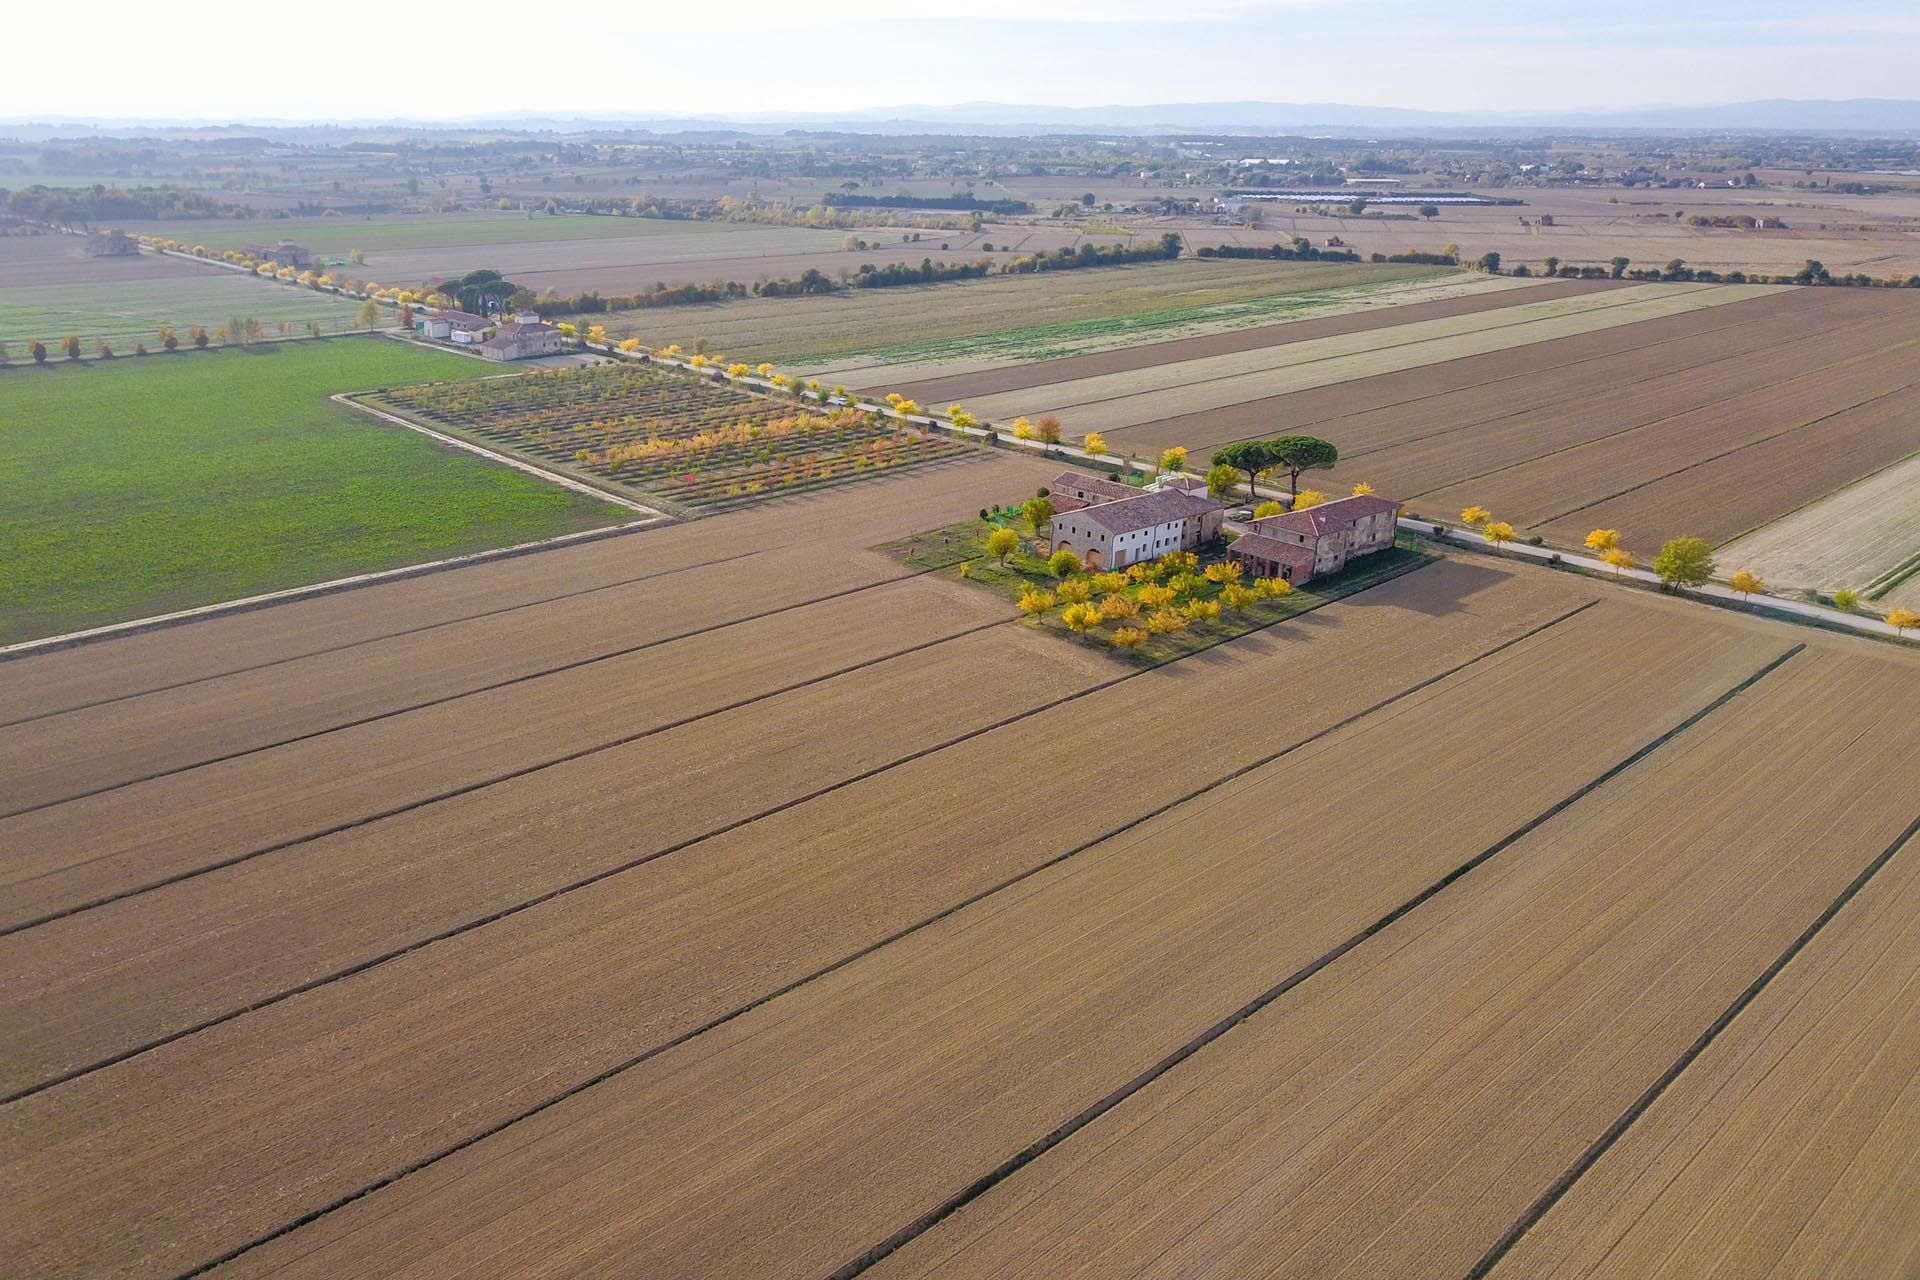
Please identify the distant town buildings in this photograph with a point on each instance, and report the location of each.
(1302, 545)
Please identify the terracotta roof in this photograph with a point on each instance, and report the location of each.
(1328, 517)
(1063, 503)
(1261, 547)
(525, 329)
(1112, 490)
(1145, 510)
(465, 319)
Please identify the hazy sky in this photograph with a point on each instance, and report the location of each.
(221, 59)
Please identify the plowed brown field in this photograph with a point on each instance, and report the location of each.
(722, 900)
(714, 926)
(1788, 1147)
(1392, 1115)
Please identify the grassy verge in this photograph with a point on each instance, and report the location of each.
(959, 551)
(141, 486)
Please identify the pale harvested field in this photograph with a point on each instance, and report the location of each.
(1395, 1113)
(820, 332)
(32, 262)
(1787, 1148)
(1844, 540)
(794, 1138)
(652, 953)
(1113, 402)
(949, 386)
(1876, 234)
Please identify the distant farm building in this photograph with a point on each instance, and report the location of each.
(522, 340)
(1110, 525)
(284, 252)
(461, 327)
(1302, 545)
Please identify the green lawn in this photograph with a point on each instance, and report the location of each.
(128, 311)
(141, 486)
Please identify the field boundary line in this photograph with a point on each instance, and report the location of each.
(1615, 1131)
(1686, 371)
(1818, 498)
(468, 788)
(1670, 417)
(385, 635)
(904, 931)
(247, 604)
(594, 878)
(1472, 386)
(1013, 1164)
(571, 665)
(1727, 453)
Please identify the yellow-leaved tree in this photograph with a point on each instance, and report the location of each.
(1023, 430)
(597, 334)
(1845, 598)
(765, 370)
(1273, 588)
(1362, 490)
(1903, 620)
(1128, 637)
(1080, 617)
(1497, 532)
(1174, 458)
(1620, 559)
(1267, 508)
(1093, 442)
(1746, 583)
(1236, 597)
(1308, 498)
(1036, 602)
(1224, 571)
(1002, 543)
(1603, 540)
(1475, 515)
(1162, 621)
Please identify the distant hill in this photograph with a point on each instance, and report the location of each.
(1881, 116)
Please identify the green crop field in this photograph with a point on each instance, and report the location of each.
(127, 311)
(138, 487)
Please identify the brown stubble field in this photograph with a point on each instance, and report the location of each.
(720, 899)
(1710, 424)
(1393, 1115)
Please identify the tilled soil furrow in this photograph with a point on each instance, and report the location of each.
(1049, 971)
(668, 946)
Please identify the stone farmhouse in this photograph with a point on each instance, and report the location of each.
(522, 340)
(1302, 545)
(1110, 525)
